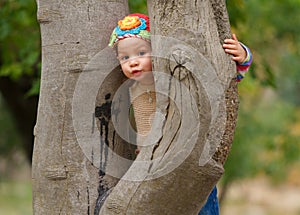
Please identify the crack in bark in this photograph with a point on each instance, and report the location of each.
(88, 11)
(88, 200)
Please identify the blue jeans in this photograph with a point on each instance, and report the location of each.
(211, 206)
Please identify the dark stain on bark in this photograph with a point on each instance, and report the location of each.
(103, 114)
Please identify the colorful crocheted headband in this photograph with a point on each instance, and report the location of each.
(134, 25)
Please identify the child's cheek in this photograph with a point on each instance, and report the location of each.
(126, 73)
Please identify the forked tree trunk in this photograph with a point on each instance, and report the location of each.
(192, 130)
(196, 112)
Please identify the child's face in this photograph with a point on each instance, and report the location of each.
(134, 55)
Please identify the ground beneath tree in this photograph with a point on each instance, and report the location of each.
(261, 197)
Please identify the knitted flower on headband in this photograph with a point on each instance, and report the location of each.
(134, 25)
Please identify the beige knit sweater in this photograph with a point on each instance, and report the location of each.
(143, 100)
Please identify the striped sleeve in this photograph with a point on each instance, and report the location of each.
(242, 68)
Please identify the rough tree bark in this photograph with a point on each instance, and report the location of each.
(197, 105)
(72, 33)
(192, 130)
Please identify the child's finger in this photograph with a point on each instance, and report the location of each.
(231, 51)
(234, 37)
(237, 59)
(229, 41)
(230, 46)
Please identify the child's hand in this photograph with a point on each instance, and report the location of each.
(233, 47)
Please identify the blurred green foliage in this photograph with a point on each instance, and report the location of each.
(138, 6)
(19, 41)
(267, 138)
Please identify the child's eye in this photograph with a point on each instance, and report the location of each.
(123, 58)
(142, 53)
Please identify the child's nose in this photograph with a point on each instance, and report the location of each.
(134, 61)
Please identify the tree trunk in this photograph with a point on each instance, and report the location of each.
(192, 129)
(73, 32)
(196, 112)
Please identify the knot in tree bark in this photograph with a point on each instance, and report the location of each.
(179, 58)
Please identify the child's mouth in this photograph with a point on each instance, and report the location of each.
(136, 72)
